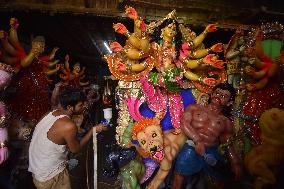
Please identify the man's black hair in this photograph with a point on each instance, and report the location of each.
(71, 97)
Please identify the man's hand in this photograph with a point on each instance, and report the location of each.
(101, 127)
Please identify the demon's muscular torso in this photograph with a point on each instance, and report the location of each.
(207, 124)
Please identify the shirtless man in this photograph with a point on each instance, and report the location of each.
(52, 136)
(206, 126)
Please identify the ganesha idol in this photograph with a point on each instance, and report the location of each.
(5, 77)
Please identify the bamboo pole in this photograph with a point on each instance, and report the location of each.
(95, 148)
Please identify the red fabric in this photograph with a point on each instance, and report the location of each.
(75, 83)
(259, 101)
(21, 54)
(267, 63)
(45, 58)
(31, 100)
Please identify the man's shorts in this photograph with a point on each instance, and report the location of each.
(60, 181)
(188, 162)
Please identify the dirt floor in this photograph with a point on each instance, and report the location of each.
(82, 175)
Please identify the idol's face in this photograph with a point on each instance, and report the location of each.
(151, 140)
(38, 47)
(220, 97)
(170, 30)
(76, 69)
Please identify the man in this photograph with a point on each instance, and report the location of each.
(52, 136)
(206, 126)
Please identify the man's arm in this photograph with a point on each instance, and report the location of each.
(70, 137)
(73, 143)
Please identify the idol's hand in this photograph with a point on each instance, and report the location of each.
(217, 48)
(211, 28)
(120, 28)
(14, 23)
(115, 47)
(3, 35)
(210, 81)
(131, 12)
(218, 64)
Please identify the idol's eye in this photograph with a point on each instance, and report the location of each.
(154, 135)
(143, 142)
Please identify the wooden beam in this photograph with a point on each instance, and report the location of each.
(59, 8)
(193, 12)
